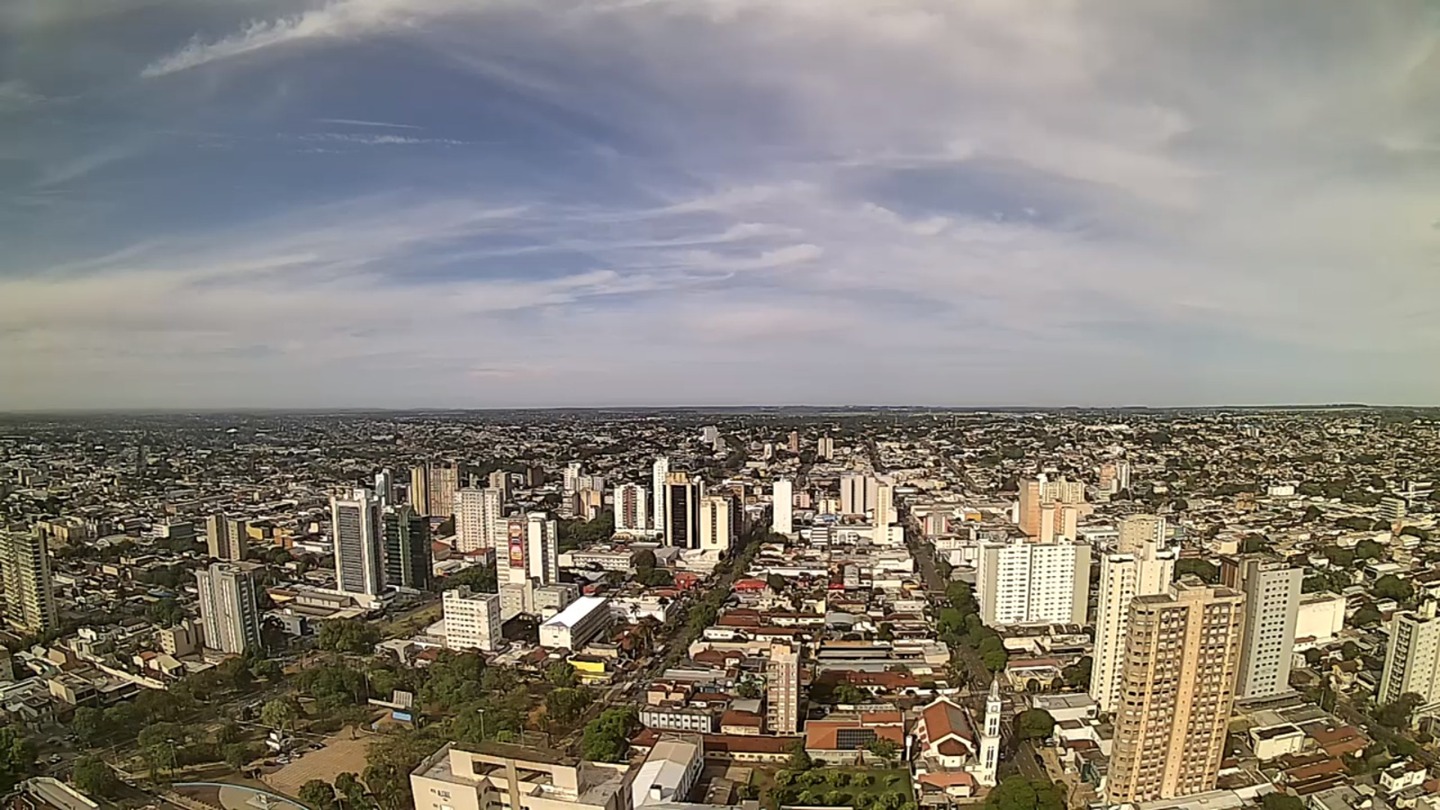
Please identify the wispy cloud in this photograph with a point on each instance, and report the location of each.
(354, 123)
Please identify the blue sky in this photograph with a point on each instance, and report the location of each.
(498, 203)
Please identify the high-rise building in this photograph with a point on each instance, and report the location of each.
(29, 591)
(1040, 492)
(500, 480)
(229, 607)
(479, 515)
(682, 510)
(472, 620)
(408, 562)
(1022, 582)
(782, 690)
(793, 444)
(989, 766)
(632, 508)
(825, 448)
(1144, 567)
(1272, 604)
(782, 509)
(717, 531)
(659, 476)
(542, 562)
(355, 526)
(571, 481)
(420, 488)
(1392, 509)
(884, 507)
(1412, 661)
(433, 487)
(220, 538)
(385, 488)
(1181, 659)
(858, 494)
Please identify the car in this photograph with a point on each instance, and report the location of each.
(56, 759)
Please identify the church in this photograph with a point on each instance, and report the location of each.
(950, 756)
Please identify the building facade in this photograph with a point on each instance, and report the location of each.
(1143, 567)
(782, 509)
(221, 541)
(632, 508)
(682, 510)
(1272, 606)
(29, 590)
(355, 526)
(782, 690)
(472, 620)
(1024, 582)
(479, 514)
(1412, 659)
(229, 607)
(717, 530)
(407, 549)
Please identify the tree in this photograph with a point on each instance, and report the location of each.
(1366, 616)
(883, 748)
(1281, 801)
(775, 582)
(281, 713)
(1350, 650)
(1369, 550)
(747, 690)
(1078, 674)
(1019, 793)
(351, 789)
(347, 636)
(318, 794)
(94, 778)
(1253, 543)
(88, 723)
(1194, 566)
(607, 737)
(1338, 557)
(799, 758)
(560, 674)
(1393, 587)
(165, 613)
(1034, 724)
(1313, 657)
(885, 632)
(850, 694)
(565, 705)
(644, 559)
(237, 755)
(1397, 714)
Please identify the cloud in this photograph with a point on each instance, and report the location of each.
(354, 123)
(16, 95)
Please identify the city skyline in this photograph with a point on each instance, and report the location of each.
(437, 203)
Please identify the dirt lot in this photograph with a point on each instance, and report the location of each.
(339, 755)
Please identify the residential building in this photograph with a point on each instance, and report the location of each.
(221, 542)
(782, 508)
(574, 627)
(479, 517)
(858, 494)
(472, 620)
(632, 508)
(659, 477)
(1412, 659)
(419, 491)
(884, 508)
(782, 690)
(408, 563)
(1143, 567)
(716, 529)
(500, 480)
(682, 510)
(542, 562)
(1025, 582)
(433, 487)
(1272, 604)
(1182, 659)
(229, 607)
(355, 525)
(825, 448)
(1041, 491)
(29, 590)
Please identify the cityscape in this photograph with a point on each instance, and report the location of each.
(880, 609)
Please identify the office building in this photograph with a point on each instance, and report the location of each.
(1182, 658)
(542, 561)
(221, 540)
(717, 530)
(632, 508)
(1392, 509)
(479, 517)
(419, 492)
(1412, 660)
(229, 607)
(355, 525)
(574, 627)
(1143, 567)
(29, 590)
(1272, 605)
(782, 509)
(1022, 582)
(1041, 491)
(782, 690)
(659, 476)
(682, 510)
(472, 620)
(408, 563)
(512, 777)
(858, 494)
(385, 488)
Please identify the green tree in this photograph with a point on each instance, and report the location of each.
(883, 748)
(607, 737)
(1369, 550)
(1367, 615)
(94, 778)
(351, 789)
(281, 713)
(347, 636)
(1393, 587)
(1281, 801)
(561, 674)
(644, 559)
(776, 582)
(747, 690)
(800, 760)
(1034, 724)
(565, 705)
(237, 755)
(1019, 793)
(1350, 650)
(88, 723)
(318, 794)
(1397, 715)
(850, 694)
(1078, 674)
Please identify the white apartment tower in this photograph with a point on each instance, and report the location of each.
(472, 620)
(782, 520)
(1412, 661)
(1020, 583)
(858, 494)
(29, 592)
(716, 530)
(542, 563)
(782, 690)
(884, 507)
(1141, 566)
(1272, 605)
(355, 527)
(479, 518)
(632, 508)
(658, 476)
(229, 607)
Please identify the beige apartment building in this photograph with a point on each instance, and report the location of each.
(1182, 659)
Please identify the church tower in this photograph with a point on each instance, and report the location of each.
(990, 739)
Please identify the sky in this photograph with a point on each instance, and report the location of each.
(531, 203)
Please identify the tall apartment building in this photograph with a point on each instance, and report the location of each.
(1182, 657)
(419, 492)
(1392, 509)
(385, 488)
(1141, 567)
(433, 487)
(792, 443)
(782, 690)
(229, 607)
(1114, 476)
(632, 508)
(542, 562)
(472, 620)
(682, 510)
(500, 480)
(717, 531)
(29, 591)
(1042, 491)
(408, 563)
(571, 479)
(1412, 661)
(659, 476)
(884, 506)
(222, 541)
(1033, 583)
(355, 526)
(858, 494)
(825, 448)
(782, 509)
(1272, 605)
(479, 518)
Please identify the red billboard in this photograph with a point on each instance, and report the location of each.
(517, 543)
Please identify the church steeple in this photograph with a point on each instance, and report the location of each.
(990, 738)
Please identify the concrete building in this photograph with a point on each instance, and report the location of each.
(479, 516)
(221, 542)
(988, 768)
(782, 690)
(858, 494)
(782, 509)
(472, 620)
(500, 481)
(229, 607)
(682, 510)
(825, 448)
(433, 487)
(884, 508)
(1143, 567)
(574, 627)
(670, 771)
(29, 590)
(496, 776)
(355, 526)
(1412, 659)
(548, 600)
(408, 563)
(1392, 509)
(1272, 603)
(1182, 660)
(1042, 491)
(1033, 583)
(632, 508)
(659, 476)
(717, 531)
(1319, 620)
(542, 539)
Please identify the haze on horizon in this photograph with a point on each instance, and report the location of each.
(451, 203)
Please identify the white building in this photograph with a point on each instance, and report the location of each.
(716, 529)
(858, 494)
(542, 538)
(472, 620)
(884, 508)
(1033, 583)
(669, 772)
(1412, 660)
(658, 475)
(1272, 602)
(479, 516)
(632, 508)
(782, 498)
(1319, 620)
(571, 479)
(229, 610)
(574, 627)
(782, 690)
(1142, 566)
(355, 525)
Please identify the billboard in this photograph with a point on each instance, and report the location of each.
(517, 543)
